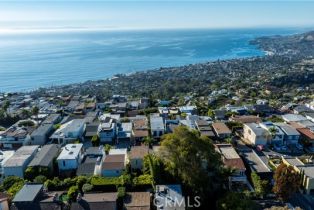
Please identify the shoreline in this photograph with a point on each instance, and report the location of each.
(264, 52)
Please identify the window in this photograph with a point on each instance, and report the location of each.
(63, 163)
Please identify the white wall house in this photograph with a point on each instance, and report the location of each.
(70, 157)
(4, 156)
(69, 132)
(17, 135)
(255, 134)
(157, 126)
(16, 165)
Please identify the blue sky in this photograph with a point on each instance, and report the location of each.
(155, 14)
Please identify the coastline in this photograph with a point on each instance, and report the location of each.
(264, 52)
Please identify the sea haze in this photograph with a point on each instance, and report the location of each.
(32, 60)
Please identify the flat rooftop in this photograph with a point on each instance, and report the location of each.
(255, 162)
(28, 193)
(70, 151)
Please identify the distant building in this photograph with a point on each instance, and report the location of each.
(70, 157)
(17, 135)
(277, 135)
(16, 164)
(221, 130)
(69, 132)
(246, 119)
(124, 131)
(293, 117)
(140, 128)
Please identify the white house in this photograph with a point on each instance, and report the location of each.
(4, 156)
(157, 126)
(16, 164)
(70, 157)
(255, 134)
(18, 134)
(69, 132)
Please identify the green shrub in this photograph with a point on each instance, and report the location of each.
(121, 192)
(81, 180)
(87, 188)
(97, 180)
(72, 193)
(145, 179)
(16, 187)
(10, 180)
(40, 179)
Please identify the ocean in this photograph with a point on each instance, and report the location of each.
(32, 60)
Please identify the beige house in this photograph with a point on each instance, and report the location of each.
(307, 171)
(255, 134)
(137, 155)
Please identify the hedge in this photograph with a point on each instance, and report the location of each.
(106, 183)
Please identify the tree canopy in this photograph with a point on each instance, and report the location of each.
(193, 159)
(287, 182)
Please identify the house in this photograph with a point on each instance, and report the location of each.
(232, 160)
(41, 134)
(137, 200)
(291, 135)
(204, 128)
(255, 134)
(91, 130)
(306, 170)
(4, 156)
(52, 119)
(137, 155)
(169, 197)
(16, 165)
(107, 131)
(263, 109)
(44, 157)
(69, 132)
(113, 165)
(221, 130)
(188, 109)
(255, 164)
(91, 164)
(4, 201)
(309, 115)
(140, 128)
(301, 109)
(27, 197)
(70, 157)
(245, 119)
(17, 135)
(292, 118)
(157, 126)
(276, 133)
(97, 201)
(307, 135)
(124, 131)
(220, 114)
